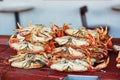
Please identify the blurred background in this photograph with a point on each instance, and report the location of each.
(99, 12)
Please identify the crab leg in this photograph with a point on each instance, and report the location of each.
(102, 65)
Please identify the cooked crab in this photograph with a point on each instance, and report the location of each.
(81, 32)
(28, 60)
(97, 35)
(72, 41)
(78, 65)
(70, 65)
(28, 47)
(61, 48)
(68, 52)
(35, 33)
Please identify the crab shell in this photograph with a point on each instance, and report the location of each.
(34, 33)
(77, 65)
(41, 33)
(70, 65)
(68, 52)
(17, 57)
(20, 44)
(76, 32)
(26, 65)
(42, 39)
(71, 41)
(81, 32)
(35, 29)
(31, 48)
(28, 60)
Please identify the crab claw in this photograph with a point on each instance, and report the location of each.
(20, 28)
(105, 31)
(102, 65)
(12, 39)
(66, 26)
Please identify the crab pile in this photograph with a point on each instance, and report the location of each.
(30, 45)
(60, 48)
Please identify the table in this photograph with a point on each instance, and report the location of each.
(9, 73)
(16, 9)
(116, 7)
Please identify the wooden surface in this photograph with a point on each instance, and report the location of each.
(9, 73)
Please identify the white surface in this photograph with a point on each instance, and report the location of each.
(60, 12)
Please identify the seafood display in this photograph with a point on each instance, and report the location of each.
(30, 43)
(61, 48)
(31, 39)
(28, 60)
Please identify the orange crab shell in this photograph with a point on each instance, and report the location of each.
(28, 51)
(13, 39)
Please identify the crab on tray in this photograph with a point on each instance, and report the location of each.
(31, 45)
(61, 48)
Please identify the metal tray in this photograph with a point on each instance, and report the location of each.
(81, 77)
